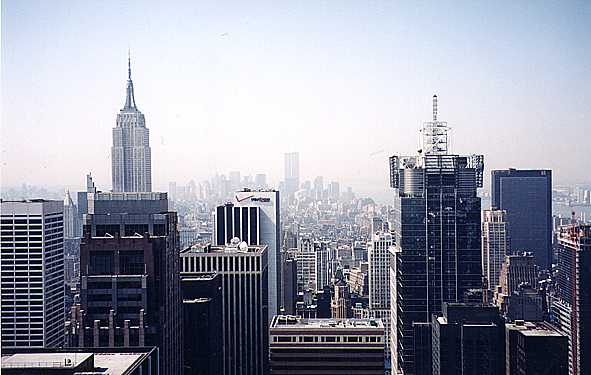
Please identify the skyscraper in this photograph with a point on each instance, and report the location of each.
(572, 306)
(334, 191)
(306, 264)
(32, 244)
(436, 228)
(292, 173)
(131, 155)
(243, 270)
(289, 283)
(526, 195)
(323, 269)
(253, 217)
(495, 245)
(71, 221)
(130, 286)
(318, 187)
(379, 280)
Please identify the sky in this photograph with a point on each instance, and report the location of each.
(234, 85)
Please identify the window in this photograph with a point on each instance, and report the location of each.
(131, 262)
(101, 263)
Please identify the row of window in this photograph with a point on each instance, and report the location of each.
(21, 221)
(10, 232)
(339, 339)
(223, 263)
(20, 226)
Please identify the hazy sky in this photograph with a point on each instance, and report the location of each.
(233, 85)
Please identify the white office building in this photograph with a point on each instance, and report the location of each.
(495, 245)
(306, 264)
(253, 217)
(32, 258)
(379, 280)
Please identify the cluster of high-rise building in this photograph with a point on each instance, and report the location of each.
(232, 277)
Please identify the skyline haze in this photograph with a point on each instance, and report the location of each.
(337, 83)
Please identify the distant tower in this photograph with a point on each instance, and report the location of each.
(131, 154)
(495, 245)
(340, 305)
(71, 221)
(526, 195)
(292, 173)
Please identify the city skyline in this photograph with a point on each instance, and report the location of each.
(356, 116)
(378, 188)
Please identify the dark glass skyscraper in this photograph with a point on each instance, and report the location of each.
(526, 195)
(436, 225)
(130, 285)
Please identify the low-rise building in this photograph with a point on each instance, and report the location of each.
(326, 346)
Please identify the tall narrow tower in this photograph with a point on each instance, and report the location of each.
(436, 228)
(131, 154)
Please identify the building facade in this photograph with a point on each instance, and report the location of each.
(516, 270)
(437, 234)
(202, 308)
(306, 259)
(289, 283)
(32, 262)
(495, 245)
(571, 308)
(535, 348)
(244, 276)
(378, 256)
(326, 346)
(72, 227)
(131, 156)
(323, 264)
(468, 339)
(340, 305)
(130, 287)
(526, 195)
(253, 217)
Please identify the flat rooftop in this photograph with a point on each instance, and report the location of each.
(290, 322)
(540, 332)
(44, 360)
(104, 363)
(533, 328)
(233, 248)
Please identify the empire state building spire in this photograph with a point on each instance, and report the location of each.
(130, 98)
(131, 156)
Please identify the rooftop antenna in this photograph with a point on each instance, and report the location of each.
(435, 135)
(434, 108)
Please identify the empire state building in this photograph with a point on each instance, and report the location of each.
(130, 154)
